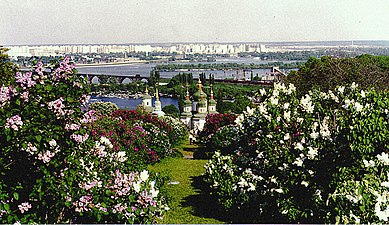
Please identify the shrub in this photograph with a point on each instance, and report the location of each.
(52, 169)
(103, 108)
(321, 158)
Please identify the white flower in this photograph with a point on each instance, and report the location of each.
(249, 111)
(314, 135)
(299, 146)
(121, 156)
(144, 175)
(298, 162)
(24, 207)
(279, 190)
(304, 183)
(262, 91)
(52, 143)
(312, 153)
(354, 85)
(383, 158)
(287, 136)
(385, 184)
(105, 141)
(274, 100)
(287, 116)
(154, 193)
(306, 104)
(136, 186)
(251, 187)
(341, 89)
(363, 94)
(286, 105)
(369, 163)
(358, 107)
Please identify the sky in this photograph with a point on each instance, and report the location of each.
(28, 22)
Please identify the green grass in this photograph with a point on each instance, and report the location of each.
(187, 202)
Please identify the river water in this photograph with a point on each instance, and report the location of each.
(131, 103)
(144, 69)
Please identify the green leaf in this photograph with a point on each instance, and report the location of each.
(16, 196)
(38, 138)
(6, 207)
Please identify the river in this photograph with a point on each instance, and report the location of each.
(144, 69)
(131, 103)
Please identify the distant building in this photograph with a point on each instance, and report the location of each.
(195, 112)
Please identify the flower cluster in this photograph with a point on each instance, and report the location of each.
(299, 154)
(14, 122)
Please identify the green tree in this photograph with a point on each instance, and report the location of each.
(7, 68)
(170, 110)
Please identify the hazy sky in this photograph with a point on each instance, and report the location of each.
(155, 21)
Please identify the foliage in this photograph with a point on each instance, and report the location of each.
(326, 73)
(171, 110)
(7, 69)
(225, 66)
(321, 158)
(103, 108)
(53, 170)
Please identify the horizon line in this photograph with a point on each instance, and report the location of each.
(199, 42)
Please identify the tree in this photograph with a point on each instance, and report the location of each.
(7, 68)
(326, 73)
(170, 110)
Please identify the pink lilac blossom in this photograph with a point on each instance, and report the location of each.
(14, 122)
(46, 157)
(89, 117)
(24, 96)
(84, 99)
(31, 149)
(72, 127)
(57, 106)
(63, 70)
(25, 80)
(24, 207)
(89, 185)
(79, 138)
(83, 204)
(5, 95)
(39, 68)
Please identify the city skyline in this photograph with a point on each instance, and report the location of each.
(36, 22)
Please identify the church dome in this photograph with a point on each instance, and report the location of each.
(212, 102)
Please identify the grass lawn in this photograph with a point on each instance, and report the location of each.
(188, 204)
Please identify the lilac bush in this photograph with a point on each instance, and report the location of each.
(52, 169)
(322, 158)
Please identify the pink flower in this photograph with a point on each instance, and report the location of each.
(24, 207)
(46, 157)
(25, 80)
(89, 117)
(14, 122)
(5, 95)
(79, 138)
(72, 127)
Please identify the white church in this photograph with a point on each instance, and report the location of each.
(194, 113)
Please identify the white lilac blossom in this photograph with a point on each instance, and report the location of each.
(121, 156)
(306, 104)
(354, 86)
(383, 158)
(287, 116)
(312, 153)
(341, 89)
(274, 100)
(24, 207)
(369, 163)
(52, 143)
(79, 138)
(358, 107)
(262, 91)
(144, 175)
